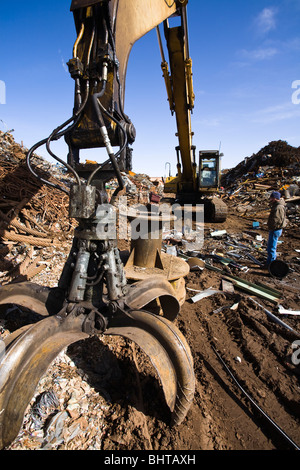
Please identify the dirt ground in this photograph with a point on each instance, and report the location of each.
(221, 418)
(257, 351)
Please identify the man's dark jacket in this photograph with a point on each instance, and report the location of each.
(277, 217)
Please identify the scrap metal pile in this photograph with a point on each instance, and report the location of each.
(275, 167)
(32, 215)
(19, 189)
(276, 154)
(72, 412)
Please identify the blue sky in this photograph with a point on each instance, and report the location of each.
(246, 60)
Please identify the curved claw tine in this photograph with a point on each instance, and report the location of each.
(143, 292)
(40, 299)
(12, 337)
(169, 353)
(25, 362)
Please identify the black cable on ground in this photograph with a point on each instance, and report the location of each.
(283, 434)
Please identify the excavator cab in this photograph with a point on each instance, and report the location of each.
(209, 173)
(209, 170)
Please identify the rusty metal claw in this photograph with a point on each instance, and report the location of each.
(25, 362)
(169, 353)
(31, 349)
(155, 288)
(43, 300)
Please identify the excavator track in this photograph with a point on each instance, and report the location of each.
(215, 210)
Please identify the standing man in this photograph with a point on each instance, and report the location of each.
(276, 222)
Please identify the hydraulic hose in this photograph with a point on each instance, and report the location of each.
(98, 110)
(80, 35)
(116, 63)
(78, 112)
(112, 159)
(29, 154)
(55, 135)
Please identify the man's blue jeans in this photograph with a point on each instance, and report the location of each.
(272, 244)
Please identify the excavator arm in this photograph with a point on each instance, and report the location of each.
(187, 185)
(179, 85)
(106, 31)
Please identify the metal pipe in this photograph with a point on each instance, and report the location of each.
(160, 44)
(277, 320)
(90, 46)
(185, 28)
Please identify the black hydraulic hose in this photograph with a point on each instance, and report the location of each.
(29, 154)
(98, 279)
(98, 110)
(116, 63)
(55, 135)
(95, 98)
(112, 159)
(286, 437)
(119, 151)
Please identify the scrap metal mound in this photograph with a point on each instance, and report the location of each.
(25, 200)
(276, 154)
(33, 216)
(276, 167)
(281, 154)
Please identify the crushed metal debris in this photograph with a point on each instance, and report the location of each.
(73, 406)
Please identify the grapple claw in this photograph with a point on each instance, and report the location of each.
(31, 349)
(26, 360)
(155, 288)
(169, 353)
(40, 299)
